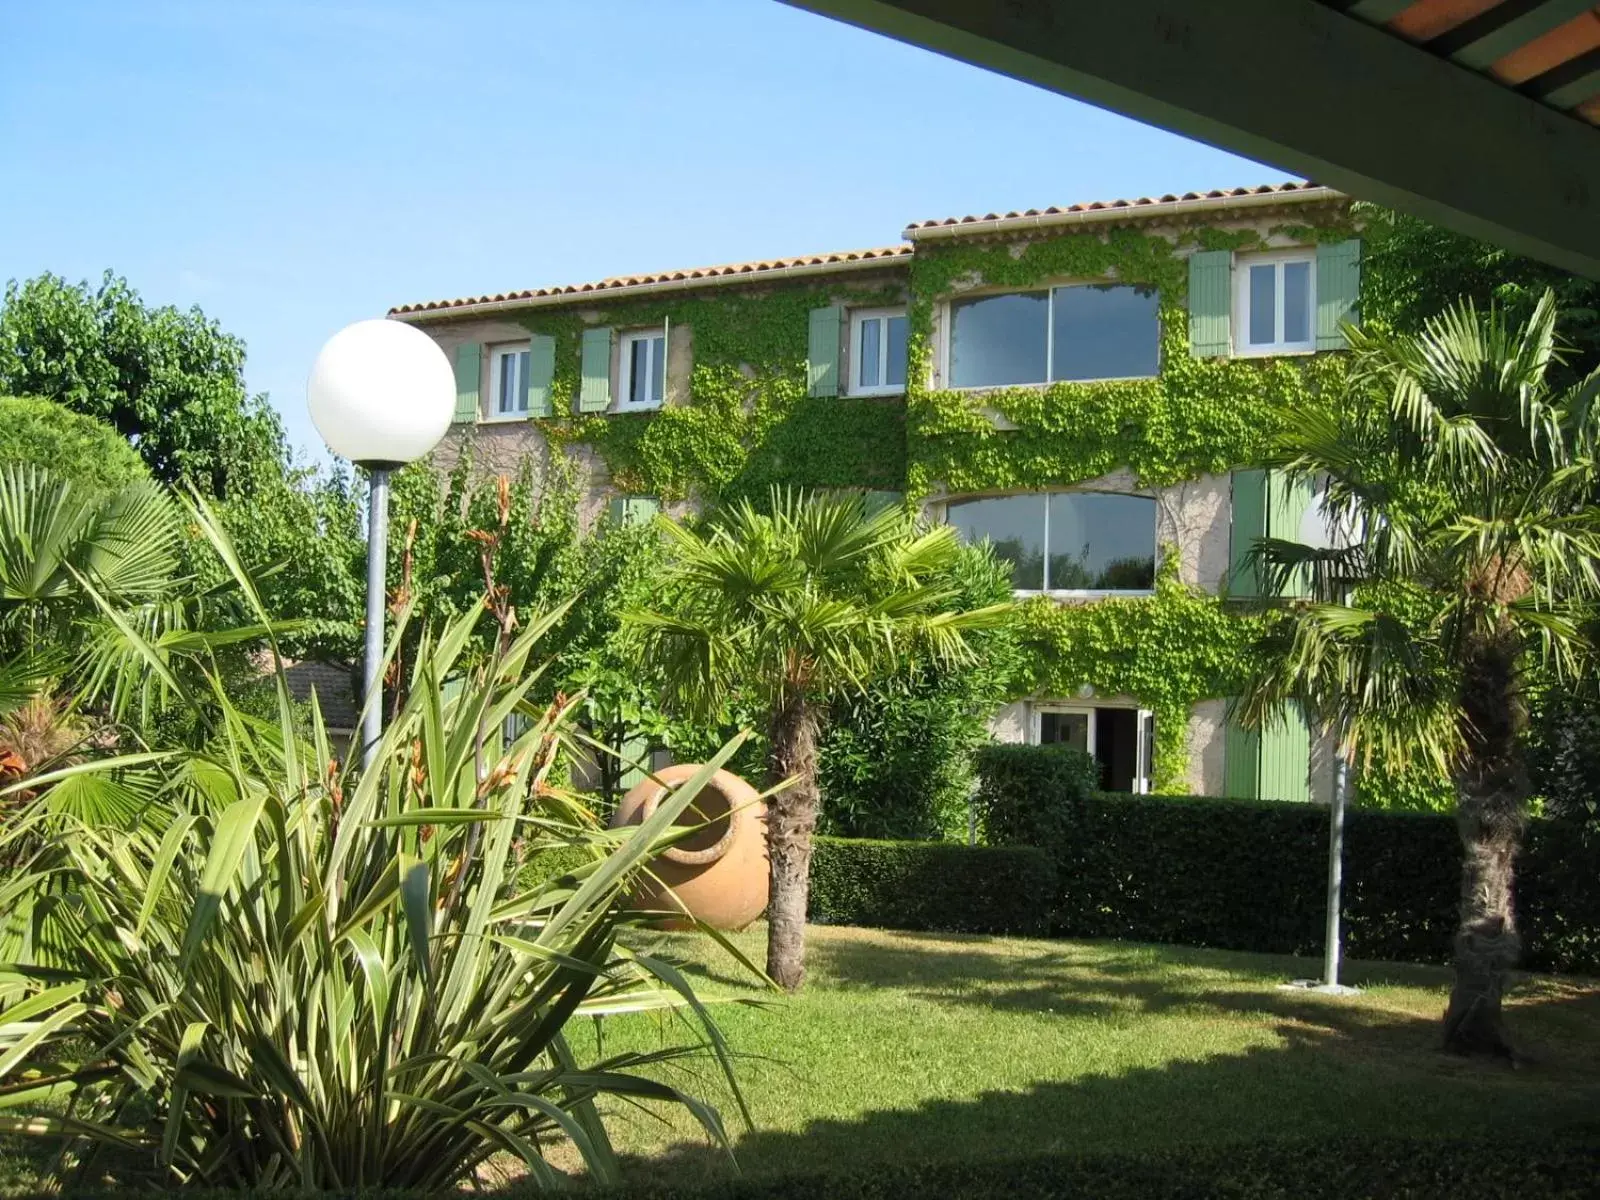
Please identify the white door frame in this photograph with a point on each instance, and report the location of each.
(1141, 716)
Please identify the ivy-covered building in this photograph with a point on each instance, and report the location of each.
(1091, 388)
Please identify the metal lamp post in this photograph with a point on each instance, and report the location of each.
(381, 394)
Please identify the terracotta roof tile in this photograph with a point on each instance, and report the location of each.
(843, 259)
(687, 276)
(1104, 205)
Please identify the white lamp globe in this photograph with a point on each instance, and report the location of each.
(381, 392)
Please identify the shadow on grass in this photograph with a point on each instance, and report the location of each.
(1332, 1067)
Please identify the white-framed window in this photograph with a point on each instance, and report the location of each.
(877, 351)
(1073, 543)
(1275, 303)
(1119, 737)
(508, 372)
(642, 375)
(1079, 332)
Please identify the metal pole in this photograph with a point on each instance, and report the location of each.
(377, 601)
(1341, 780)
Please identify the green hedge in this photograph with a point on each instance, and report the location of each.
(1249, 875)
(932, 886)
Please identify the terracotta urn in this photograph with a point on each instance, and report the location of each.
(717, 873)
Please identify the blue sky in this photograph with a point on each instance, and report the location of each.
(294, 165)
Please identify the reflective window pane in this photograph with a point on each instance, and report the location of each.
(1101, 540)
(867, 373)
(1296, 302)
(638, 370)
(658, 368)
(895, 353)
(1104, 332)
(506, 401)
(1263, 304)
(1014, 525)
(1064, 729)
(999, 340)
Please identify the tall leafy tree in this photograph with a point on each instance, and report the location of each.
(172, 384)
(790, 608)
(1460, 479)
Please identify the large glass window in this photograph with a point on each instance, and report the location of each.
(1104, 332)
(1066, 541)
(1274, 303)
(1092, 331)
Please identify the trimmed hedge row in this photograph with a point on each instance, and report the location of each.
(931, 886)
(1250, 875)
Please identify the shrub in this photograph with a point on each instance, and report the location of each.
(1027, 795)
(1251, 875)
(94, 456)
(326, 978)
(939, 886)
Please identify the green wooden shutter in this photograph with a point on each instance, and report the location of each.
(594, 392)
(1249, 523)
(1241, 761)
(634, 749)
(1210, 303)
(541, 370)
(822, 351)
(1287, 502)
(1286, 758)
(633, 510)
(469, 366)
(1338, 291)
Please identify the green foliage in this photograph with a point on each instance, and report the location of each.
(931, 886)
(1171, 650)
(746, 423)
(1199, 416)
(72, 446)
(1030, 795)
(172, 383)
(1250, 875)
(1470, 484)
(803, 603)
(896, 758)
(314, 978)
(1414, 270)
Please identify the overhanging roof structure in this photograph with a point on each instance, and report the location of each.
(1480, 115)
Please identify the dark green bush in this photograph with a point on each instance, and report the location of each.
(939, 886)
(1011, 780)
(91, 454)
(1250, 875)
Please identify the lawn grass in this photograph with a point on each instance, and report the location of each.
(910, 1048)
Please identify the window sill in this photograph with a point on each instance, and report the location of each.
(623, 409)
(505, 419)
(978, 389)
(873, 393)
(1082, 593)
(1276, 352)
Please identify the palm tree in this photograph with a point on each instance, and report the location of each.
(1459, 482)
(790, 608)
